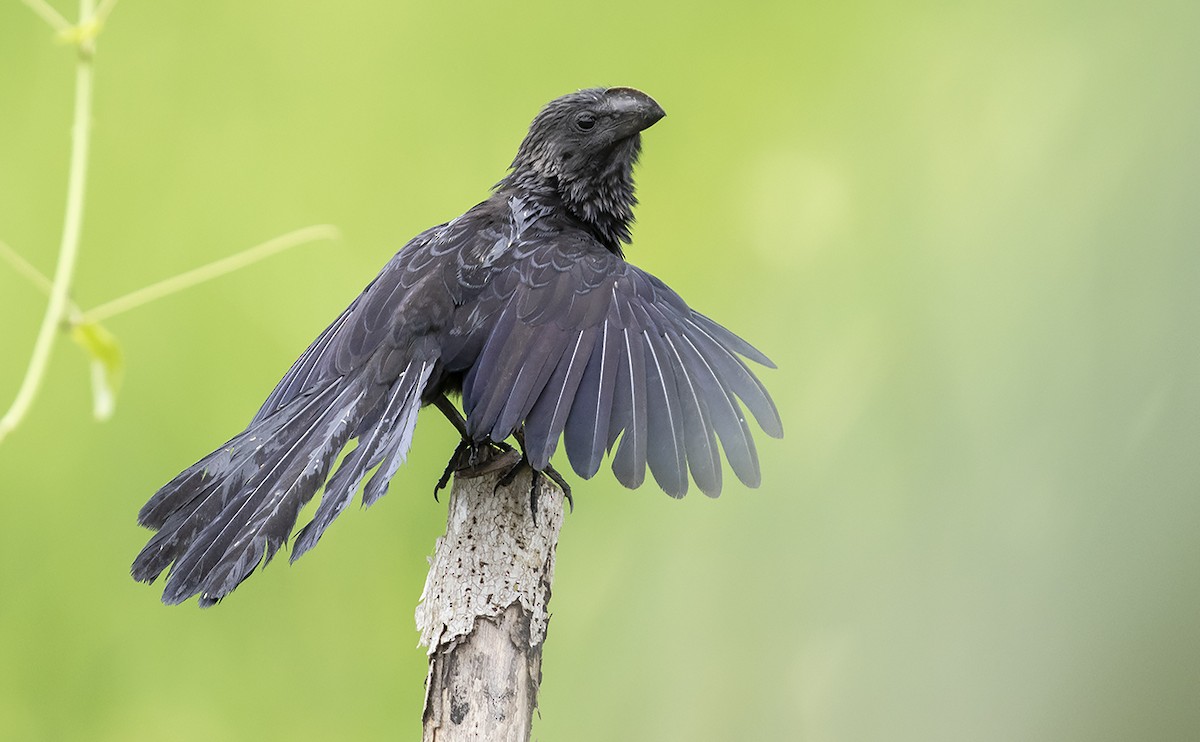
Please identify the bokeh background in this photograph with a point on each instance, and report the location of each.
(967, 233)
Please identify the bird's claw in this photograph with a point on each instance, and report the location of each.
(535, 482)
(471, 459)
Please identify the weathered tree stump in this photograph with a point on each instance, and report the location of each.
(484, 610)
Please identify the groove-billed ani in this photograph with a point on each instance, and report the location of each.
(525, 306)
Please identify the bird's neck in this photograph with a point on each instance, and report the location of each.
(602, 202)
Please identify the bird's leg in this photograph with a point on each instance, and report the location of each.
(549, 472)
(455, 463)
(469, 459)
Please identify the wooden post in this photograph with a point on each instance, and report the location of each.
(483, 612)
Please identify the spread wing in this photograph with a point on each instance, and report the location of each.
(588, 347)
(346, 345)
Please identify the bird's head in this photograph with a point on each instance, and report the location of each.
(584, 146)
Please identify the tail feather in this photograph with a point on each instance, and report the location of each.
(186, 505)
(388, 437)
(230, 543)
(222, 517)
(238, 548)
(198, 480)
(395, 450)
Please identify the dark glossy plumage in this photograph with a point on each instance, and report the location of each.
(525, 305)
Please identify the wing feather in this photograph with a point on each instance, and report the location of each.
(726, 416)
(629, 413)
(664, 443)
(738, 378)
(549, 414)
(586, 434)
(543, 352)
(591, 350)
(704, 459)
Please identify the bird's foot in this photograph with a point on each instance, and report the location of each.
(471, 459)
(535, 482)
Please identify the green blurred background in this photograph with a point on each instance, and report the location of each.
(966, 232)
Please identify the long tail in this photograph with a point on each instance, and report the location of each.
(237, 506)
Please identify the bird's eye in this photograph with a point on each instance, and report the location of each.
(585, 121)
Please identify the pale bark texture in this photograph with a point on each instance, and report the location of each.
(483, 612)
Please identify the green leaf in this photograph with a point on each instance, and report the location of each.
(107, 365)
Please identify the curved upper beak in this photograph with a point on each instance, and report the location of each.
(637, 110)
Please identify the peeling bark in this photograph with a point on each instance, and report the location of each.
(483, 612)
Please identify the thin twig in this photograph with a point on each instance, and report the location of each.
(48, 14)
(69, 248)
(25, 268)
(175, 284)
(37, 278)
(208, 272)
(106, 7)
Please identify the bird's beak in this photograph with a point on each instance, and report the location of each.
(637, 110)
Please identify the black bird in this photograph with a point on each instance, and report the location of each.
(526, 307)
